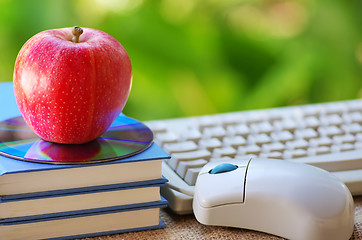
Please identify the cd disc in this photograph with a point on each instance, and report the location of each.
(124, 138)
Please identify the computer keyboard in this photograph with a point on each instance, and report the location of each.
(326, 135)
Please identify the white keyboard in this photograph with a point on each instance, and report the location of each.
(326, 135)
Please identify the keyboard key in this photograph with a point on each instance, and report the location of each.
(250, 149)
(333, 109)
(286, 125)
(259, 139)
(355, 117)
(331, 120)
(322, 141)
(310, 122)
(354, 106)
(166, 137)
(185, 165)
(224, 152)
(274, 155)
(210, 144)
(343, 147)
(348, 138)
(297, 153)
(297, 144)
(275, 115)
(307, 111)
(180, 147)
(273, 147)
(261, 128)
(306, 134)
(191, 135)
(255, 117)
(215, 132)
(234, 142)
(207, 121)
(354, 128)
(359, 137)
(319, 150)
(238, 130)
(188, 156)
(231, 119)
(191, 175)
(330, 131)
(283, 136)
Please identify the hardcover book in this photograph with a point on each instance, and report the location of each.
(51, 205)
(88, 224)
(20, 177)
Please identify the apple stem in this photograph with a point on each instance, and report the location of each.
(77, 31)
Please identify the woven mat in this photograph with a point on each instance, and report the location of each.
(186, 227)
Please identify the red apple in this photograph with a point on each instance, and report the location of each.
(70, 84)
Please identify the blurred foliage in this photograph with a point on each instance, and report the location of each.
(195, 57)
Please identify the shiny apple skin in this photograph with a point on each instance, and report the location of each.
(70, 92)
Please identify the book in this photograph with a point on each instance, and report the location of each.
(20, 177)
(88, 224)
(51, 205)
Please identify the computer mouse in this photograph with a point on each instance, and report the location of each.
(283, 198)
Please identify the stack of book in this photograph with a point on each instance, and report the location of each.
(46, 201)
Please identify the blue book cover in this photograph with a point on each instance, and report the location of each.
(114, 220)
(13, 166)
(83, 190)
(160, 202)
(21, 178)
(70, 203)
(98, 234)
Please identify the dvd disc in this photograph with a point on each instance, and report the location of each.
(124, 138)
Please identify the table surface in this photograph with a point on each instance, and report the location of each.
(186, 227)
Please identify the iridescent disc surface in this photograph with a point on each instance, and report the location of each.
(124, 138)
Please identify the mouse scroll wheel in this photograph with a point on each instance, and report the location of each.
(224, 167)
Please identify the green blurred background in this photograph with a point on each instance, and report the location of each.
(194, 57)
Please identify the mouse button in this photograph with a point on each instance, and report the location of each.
(222, 168)
(211, 165)
(219, 189)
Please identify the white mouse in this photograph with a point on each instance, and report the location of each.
(291, 200)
